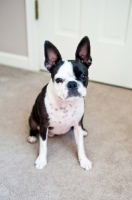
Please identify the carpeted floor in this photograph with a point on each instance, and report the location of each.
(108, 119)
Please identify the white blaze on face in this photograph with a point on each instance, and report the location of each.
(66, 74)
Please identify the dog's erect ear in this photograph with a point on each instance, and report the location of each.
(83, 51)
(52, 55)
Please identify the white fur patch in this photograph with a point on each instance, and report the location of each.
(85, 163)
(32, 139)
(62, 114)
(85, 133)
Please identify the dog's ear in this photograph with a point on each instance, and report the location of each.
(52, 55)
(83, 51)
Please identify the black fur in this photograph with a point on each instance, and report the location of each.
(80, 69)
(81, 123)
(39, 116)
(34, 132)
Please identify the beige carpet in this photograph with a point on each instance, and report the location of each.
(108, 120)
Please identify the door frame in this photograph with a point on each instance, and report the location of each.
(32, 35)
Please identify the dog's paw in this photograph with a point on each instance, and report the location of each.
(85, 133)
(40, 162)
(32, 139)
(85, 163)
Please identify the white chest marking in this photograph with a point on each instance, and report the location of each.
(62, 114)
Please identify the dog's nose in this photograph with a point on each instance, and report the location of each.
(72, 85)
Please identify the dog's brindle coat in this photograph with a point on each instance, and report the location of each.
(44, 113)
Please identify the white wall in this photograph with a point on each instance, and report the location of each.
(13, 34)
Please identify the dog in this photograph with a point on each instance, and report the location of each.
(60, 105)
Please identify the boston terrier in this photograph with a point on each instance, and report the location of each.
(60, 105)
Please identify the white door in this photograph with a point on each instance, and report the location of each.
(108, 24)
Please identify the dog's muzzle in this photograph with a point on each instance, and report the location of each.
(72, 89)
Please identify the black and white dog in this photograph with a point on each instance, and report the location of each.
(60, 105)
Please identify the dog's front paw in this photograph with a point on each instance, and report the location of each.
(40, 162)
(85, 163)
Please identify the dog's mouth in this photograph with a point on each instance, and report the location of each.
(73, 93)
(71, 96)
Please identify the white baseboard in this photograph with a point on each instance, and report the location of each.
(14, 60)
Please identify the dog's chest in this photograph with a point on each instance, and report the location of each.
(64, 115)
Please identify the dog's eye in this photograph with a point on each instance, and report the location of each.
(83, 76)
(58, 80)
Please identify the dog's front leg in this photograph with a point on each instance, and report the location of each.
(84, 161)
(41, 161)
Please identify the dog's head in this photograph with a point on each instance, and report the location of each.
(70, 78)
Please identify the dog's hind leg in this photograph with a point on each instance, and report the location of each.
(85, 133)
(34, 130)
(32, 138)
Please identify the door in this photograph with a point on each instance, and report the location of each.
(108, 24)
